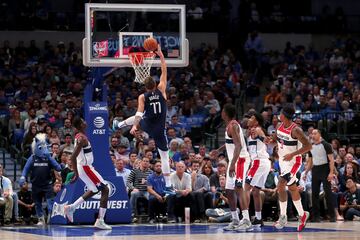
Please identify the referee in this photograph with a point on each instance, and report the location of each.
(321, 162)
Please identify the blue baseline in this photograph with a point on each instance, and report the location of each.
(159, 229)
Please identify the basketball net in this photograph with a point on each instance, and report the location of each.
(141, 62)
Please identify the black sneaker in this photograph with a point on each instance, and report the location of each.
(257, 222)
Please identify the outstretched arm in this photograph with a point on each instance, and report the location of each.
(139, 114)
(163, 77)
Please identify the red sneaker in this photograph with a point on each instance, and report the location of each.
(302, 221)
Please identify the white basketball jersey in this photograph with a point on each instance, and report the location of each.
(85, 156)
(286, 143)
(229, 143)
(257, 149)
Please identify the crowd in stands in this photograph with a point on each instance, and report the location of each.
(220, 15)
(41, 91)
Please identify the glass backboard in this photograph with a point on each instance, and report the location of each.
(114, 30)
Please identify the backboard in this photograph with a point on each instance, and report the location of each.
(114, 30)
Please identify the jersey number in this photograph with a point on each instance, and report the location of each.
(154, 104)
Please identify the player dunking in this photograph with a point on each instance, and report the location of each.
(83, 158)
(151, 117)
(239, 161)
(292, 143)
(260, 166)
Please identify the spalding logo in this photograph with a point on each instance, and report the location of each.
(99, 122)
(112, 190)
(63, 194)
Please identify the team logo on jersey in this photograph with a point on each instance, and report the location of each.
(110, 185)
(99, 122)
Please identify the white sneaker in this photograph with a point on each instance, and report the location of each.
(280, 224)
(102, 225)
(232, 226)
(244, 225)
(69, 212)
(41, 222)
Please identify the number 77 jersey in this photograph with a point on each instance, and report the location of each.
(154, 118)
(155, 106)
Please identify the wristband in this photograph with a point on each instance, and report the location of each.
(139, 114)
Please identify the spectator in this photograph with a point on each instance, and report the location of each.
(29, 136)
(273, 98)
(214, 179)
(200, 196)
(121, 152)
(153, 149)
(122, 139)
(132, 160)
(149, 155)
(352, 200)
(179, 127)
(67, 169)
(207, 170)
(54, 138)
(68, 145)
(171, 134)
(26, 204)
(16, 129)
(55, 150)
(349, 172)
(157, 199)
(173, 149)
(121, 170)
(182, 183)
(6, 199)
(66, 130)
(114, 144)
(221, 211)
(136, 184)
(30, 119)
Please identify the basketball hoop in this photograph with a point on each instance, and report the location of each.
(141, 62)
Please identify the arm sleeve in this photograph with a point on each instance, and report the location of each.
(328, 148)
(27, 167)
(54, 164)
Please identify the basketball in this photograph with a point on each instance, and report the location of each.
(150, 44)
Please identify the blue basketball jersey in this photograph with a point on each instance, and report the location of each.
(155, 106)
(154, 118)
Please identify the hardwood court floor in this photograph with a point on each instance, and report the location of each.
(318, 231)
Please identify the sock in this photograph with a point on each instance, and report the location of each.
(79, 201)
(258, 215)
(235, 216)
(127, 122)
(245, 214)
(102, 212)
(283, 207)
(299, 207)
(165, 165)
